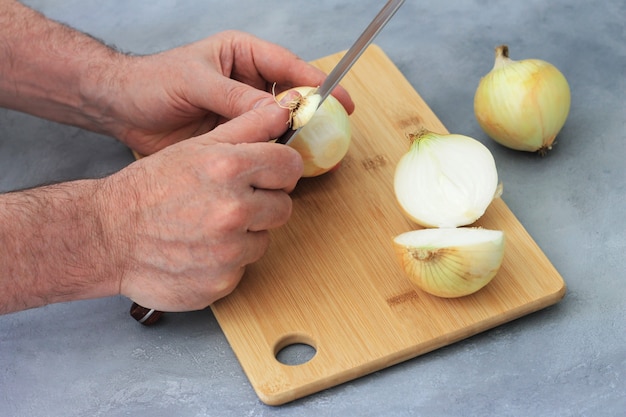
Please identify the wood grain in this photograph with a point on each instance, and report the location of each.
(331, 280)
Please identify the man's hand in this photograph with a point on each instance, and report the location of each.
(149, 102)
(196, 213)
(164, 98)
(173, 231)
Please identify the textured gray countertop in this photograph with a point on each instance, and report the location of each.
(90, 358)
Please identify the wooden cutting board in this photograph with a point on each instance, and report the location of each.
(330, 278)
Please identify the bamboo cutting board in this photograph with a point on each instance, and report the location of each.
(330, 278)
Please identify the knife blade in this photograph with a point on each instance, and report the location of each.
(349, 58)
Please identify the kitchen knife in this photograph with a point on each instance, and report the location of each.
(349, 58)
(149, 316)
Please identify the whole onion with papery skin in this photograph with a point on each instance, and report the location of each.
(522, 104)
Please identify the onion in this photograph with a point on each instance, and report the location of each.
(450, 262)
(522, 104)
(326, 132)
(445, 180)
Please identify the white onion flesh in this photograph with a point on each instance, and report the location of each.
(445, 180)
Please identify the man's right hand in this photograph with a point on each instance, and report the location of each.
(183, 223)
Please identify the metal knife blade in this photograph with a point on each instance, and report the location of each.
(350, 57)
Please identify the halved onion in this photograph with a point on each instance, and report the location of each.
(450, 262)
(445, 180)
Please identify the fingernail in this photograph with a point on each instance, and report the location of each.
(290, 97)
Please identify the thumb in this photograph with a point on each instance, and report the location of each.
(231, 98)
(266, 121)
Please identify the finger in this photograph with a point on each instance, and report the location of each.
(266, 122)
(245, 250)
(251, 66)
(258, 242)
(344, 98)
(269, 209)
(237, 97)
(277, 64)
(242, 97)
(271, 166)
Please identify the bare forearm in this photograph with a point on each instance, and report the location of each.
(52, 247)
(50, 70)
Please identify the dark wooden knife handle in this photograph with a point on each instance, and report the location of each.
(145, 316)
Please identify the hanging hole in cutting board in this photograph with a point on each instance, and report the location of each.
(295, 349)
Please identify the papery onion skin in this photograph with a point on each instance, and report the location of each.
(524, 104)
(450, 263)
(445, 180)
(325, 139)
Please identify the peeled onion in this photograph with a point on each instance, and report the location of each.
(325, 138)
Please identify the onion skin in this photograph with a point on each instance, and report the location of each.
(522, 104)
(325, 139)
(450, 263)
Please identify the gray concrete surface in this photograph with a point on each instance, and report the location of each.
(90, 359)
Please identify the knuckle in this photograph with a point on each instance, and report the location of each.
(233, 216)
(228, 255)
(228, 284)
(226, 168)
(239, 94)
